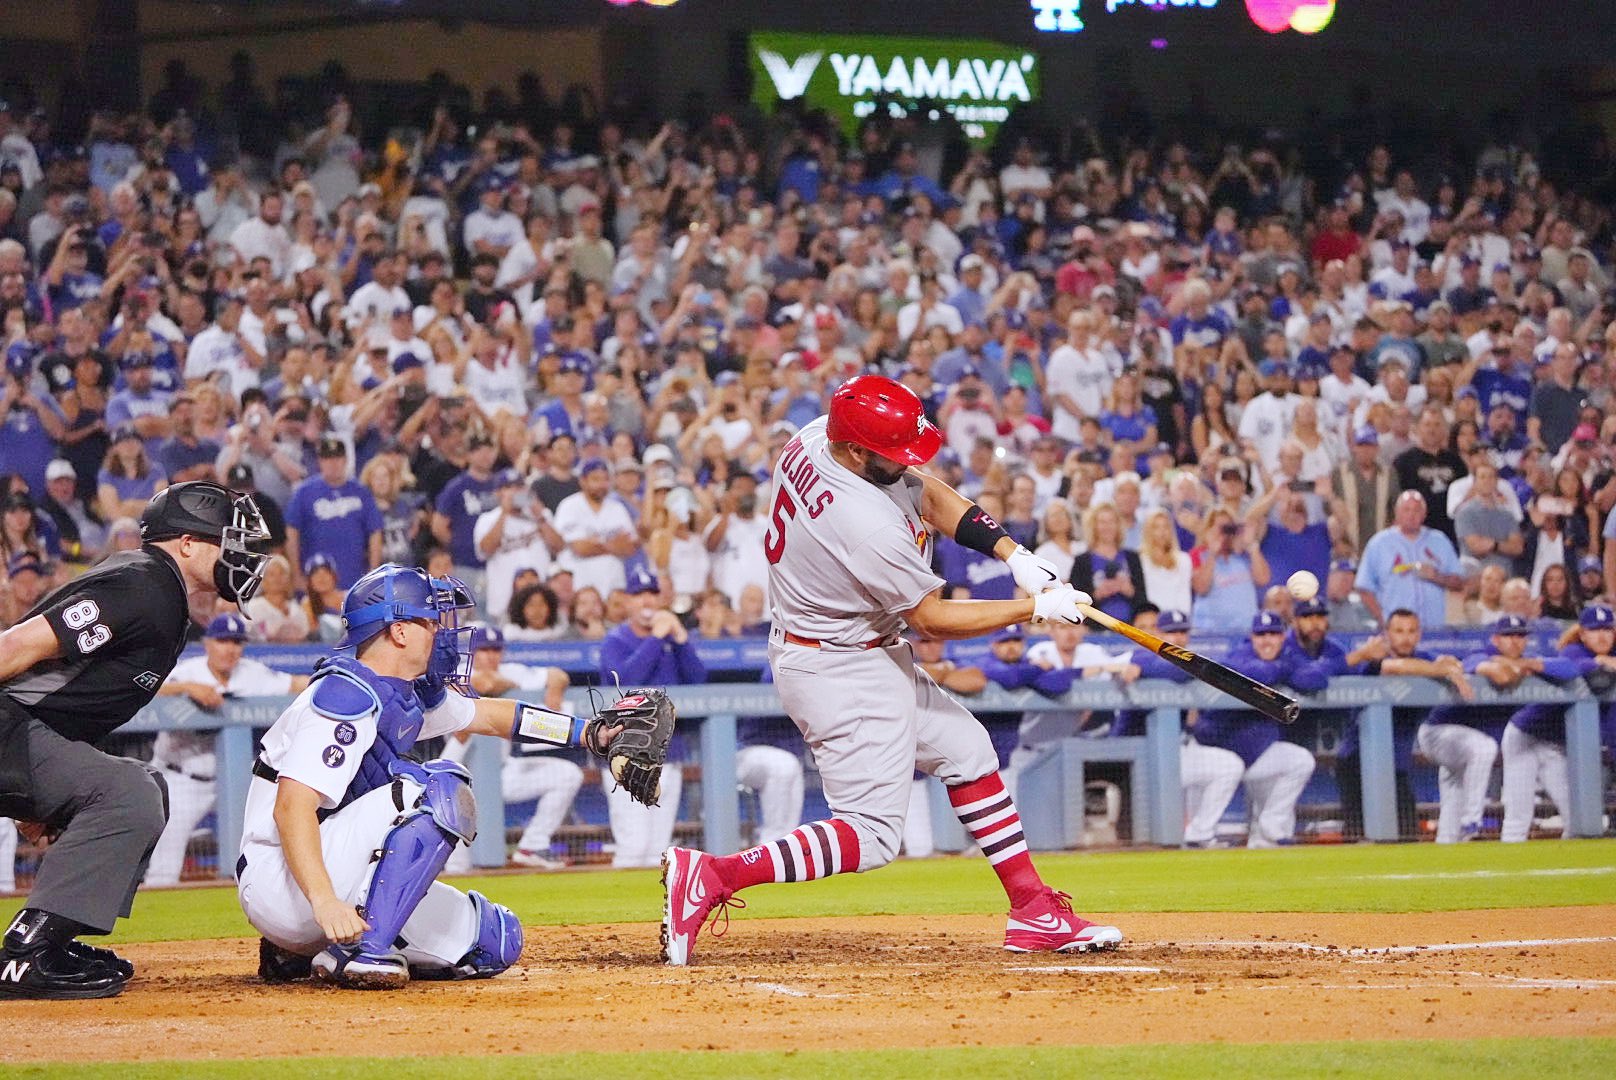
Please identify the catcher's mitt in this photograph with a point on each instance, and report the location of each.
(636, 755)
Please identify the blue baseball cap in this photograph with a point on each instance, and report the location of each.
(231, 627)
(1013, 632)
(1366, 436)
(1589, 562)
(1267, 622)
(591, 465)
(574, 362)
(1512, 624)
(317, 560)
(1311, 606)
(641, 580)
(406, 361)
(1173, 622)
(20, 359)
(1597, 617)
(487, 637)
(1271, 367)
(134, 359)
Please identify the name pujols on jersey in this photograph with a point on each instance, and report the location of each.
(798, 470)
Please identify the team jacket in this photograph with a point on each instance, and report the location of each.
(1548, 721)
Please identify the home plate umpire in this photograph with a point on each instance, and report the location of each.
(72, 671)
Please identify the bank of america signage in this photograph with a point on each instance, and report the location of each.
(979, 82)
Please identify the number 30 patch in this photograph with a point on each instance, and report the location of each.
(82, 616)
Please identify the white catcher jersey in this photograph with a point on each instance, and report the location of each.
(846, 557)
(324, 754)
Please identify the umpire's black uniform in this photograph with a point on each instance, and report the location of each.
(118, 630)
(121, 628)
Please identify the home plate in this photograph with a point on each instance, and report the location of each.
(1089, 969)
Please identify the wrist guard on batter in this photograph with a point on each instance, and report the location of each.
(537, 726)
(637, 753)
(978, 531)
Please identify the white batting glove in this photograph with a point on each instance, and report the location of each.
(1059, 605)
(1033, 573)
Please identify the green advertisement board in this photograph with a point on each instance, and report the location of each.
(852, 75)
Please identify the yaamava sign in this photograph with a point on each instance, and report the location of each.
(850, 76)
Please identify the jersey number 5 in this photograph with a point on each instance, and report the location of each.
(774, 541)
(80, 617)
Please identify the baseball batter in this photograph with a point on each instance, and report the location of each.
(848, 548)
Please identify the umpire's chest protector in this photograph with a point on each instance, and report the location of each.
(347, 689)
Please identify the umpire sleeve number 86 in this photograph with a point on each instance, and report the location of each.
(82, 617)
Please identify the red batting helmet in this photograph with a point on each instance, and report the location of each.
(884, 417)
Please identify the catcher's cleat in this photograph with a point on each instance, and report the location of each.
(83, 949)
(691, 892)
(276, 965)
(1047, 924)
(358, 971)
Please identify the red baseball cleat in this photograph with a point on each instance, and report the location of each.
(691, 892)
(1047, 924)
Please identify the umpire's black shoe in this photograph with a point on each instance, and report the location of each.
(39, 962)
(276, 965)
(86, 951)
(53, 972)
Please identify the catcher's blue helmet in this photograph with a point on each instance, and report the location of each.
(392, 593)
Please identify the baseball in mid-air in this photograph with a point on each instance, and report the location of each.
(1303, 585)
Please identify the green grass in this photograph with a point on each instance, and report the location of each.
(1360, 878)
(1542, 1059)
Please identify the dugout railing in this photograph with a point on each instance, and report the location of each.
(714, 709)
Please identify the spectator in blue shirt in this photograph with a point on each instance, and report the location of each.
(334, 515)
(1408, 565)
(462, 501)
(650, 648)
(904, 178)
(140, 404)
(1289, 541)
(183, 455)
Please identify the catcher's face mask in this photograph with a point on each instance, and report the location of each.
(451, 649)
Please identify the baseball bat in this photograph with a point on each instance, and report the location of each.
(1265, 699)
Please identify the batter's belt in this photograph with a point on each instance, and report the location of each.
(832, 646)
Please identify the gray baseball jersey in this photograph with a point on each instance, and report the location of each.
(846, 557)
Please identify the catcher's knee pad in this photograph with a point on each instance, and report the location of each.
(498, 945)
(445, 794)
(412, 856)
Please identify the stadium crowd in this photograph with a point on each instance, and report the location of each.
(556, 354)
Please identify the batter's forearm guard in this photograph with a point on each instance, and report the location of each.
(536, 725)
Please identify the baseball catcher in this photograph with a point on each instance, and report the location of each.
(346, 834)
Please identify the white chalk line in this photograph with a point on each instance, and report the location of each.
(1089, 969)
(1393, 950)
(1462, 875)
(791, 991)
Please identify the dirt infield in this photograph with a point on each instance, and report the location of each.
(885, 982)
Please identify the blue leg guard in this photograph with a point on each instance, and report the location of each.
(498, 944)
(413, 855)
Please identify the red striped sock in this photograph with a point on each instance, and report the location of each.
(815, 850)
(985, 808)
